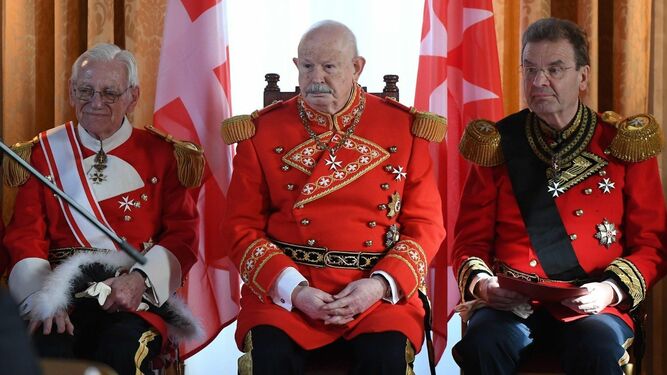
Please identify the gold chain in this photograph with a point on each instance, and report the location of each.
(348, 133)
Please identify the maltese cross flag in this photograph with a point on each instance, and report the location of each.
(192, 99)
(459, 78)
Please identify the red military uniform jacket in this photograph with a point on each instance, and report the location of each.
(140, 195)
(284, 188)
(611, 206)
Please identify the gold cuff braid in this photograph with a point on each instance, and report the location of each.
(466, 270)
(639, 137)
(480, 143)
(630, 276)
(14, 174)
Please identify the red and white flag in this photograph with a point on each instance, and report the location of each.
(459, 78)
(192, 99)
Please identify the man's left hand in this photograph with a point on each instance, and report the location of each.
(354, 299)
(600, 295)
(126, 292)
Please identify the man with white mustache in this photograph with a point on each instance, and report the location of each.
(336, 243)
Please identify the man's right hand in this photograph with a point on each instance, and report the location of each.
(310, 301)
(61, 319)
(490, 291)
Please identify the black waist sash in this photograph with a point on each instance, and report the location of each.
(538, 208)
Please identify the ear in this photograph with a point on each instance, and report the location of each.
(134, 93)
(296, 62)
(70, 91)
(583, 77)
(358, 63)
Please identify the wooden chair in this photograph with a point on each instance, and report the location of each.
(272, 92)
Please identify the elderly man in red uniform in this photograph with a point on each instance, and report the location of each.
(131, 181)
(561, 196)
(332, 218)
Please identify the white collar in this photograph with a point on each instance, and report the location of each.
(116, 139)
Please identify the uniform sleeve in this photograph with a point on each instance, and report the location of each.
(175, 251)
(257, 259)
(26, 240)
(421, 224)
(644, 232)
(475, 228)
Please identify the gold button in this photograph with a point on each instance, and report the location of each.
(144, 197)
(305, 221)
(389, 168)
(154, 180)
(384, 186)
(137, 204)
(372, 224)
(285, 167)
(533, 263)
(368, 243)
(382, 207)
(588, 191)
(290, 187)
(279, 150)
(393, 149)
(603, 173)
(579, 212)
(607, 152)
(127, 218)
(573, 237)
(311, 242)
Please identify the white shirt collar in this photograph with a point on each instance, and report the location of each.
(118, 138)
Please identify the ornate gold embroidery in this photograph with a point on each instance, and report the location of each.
(584, 165)
(414, 256)
(630, 276)
(253, 260)
(142, 351)
(471, 264)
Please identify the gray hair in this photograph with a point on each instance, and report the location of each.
(330, 24)
(108, 52)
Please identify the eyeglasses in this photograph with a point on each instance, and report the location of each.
(551, 72)
(85, 94)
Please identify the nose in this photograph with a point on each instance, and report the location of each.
(541, 78)
(96, 100)
(317, 75)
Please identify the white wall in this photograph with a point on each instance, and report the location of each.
(263, 38)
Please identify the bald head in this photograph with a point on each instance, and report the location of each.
(329, 65)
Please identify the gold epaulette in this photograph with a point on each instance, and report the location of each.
(430, 126)
(14, 174)
(639, 137)
(189, 159)
(480, 143)
(239, 128)
(427, 125)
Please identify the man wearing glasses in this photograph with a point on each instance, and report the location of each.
(558, 196)
(84, 299)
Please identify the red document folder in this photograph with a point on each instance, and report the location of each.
(540, 291)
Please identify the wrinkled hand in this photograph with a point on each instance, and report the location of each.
(310, 301)
(61, 318)
(600, 295)
(354, 299)
(490, 291)
(126, 292)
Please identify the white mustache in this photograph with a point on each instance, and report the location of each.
(319, 88)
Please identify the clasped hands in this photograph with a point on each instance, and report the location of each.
(599, 296)
(340, 308)
(126, 292)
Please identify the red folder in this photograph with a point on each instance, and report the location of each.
(540, 291)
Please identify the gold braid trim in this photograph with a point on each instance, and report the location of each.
(409, 358)
(429, 126)
(639, 137)
(189, 159)
(245, 361)
(142, 350)
(630, 276)
(480, 143)
(14, 174)
(471, 264)
(238, 128)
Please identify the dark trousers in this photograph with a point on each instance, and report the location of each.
(384, 353)
(17, 355)
(122, 340)
(496, 341)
